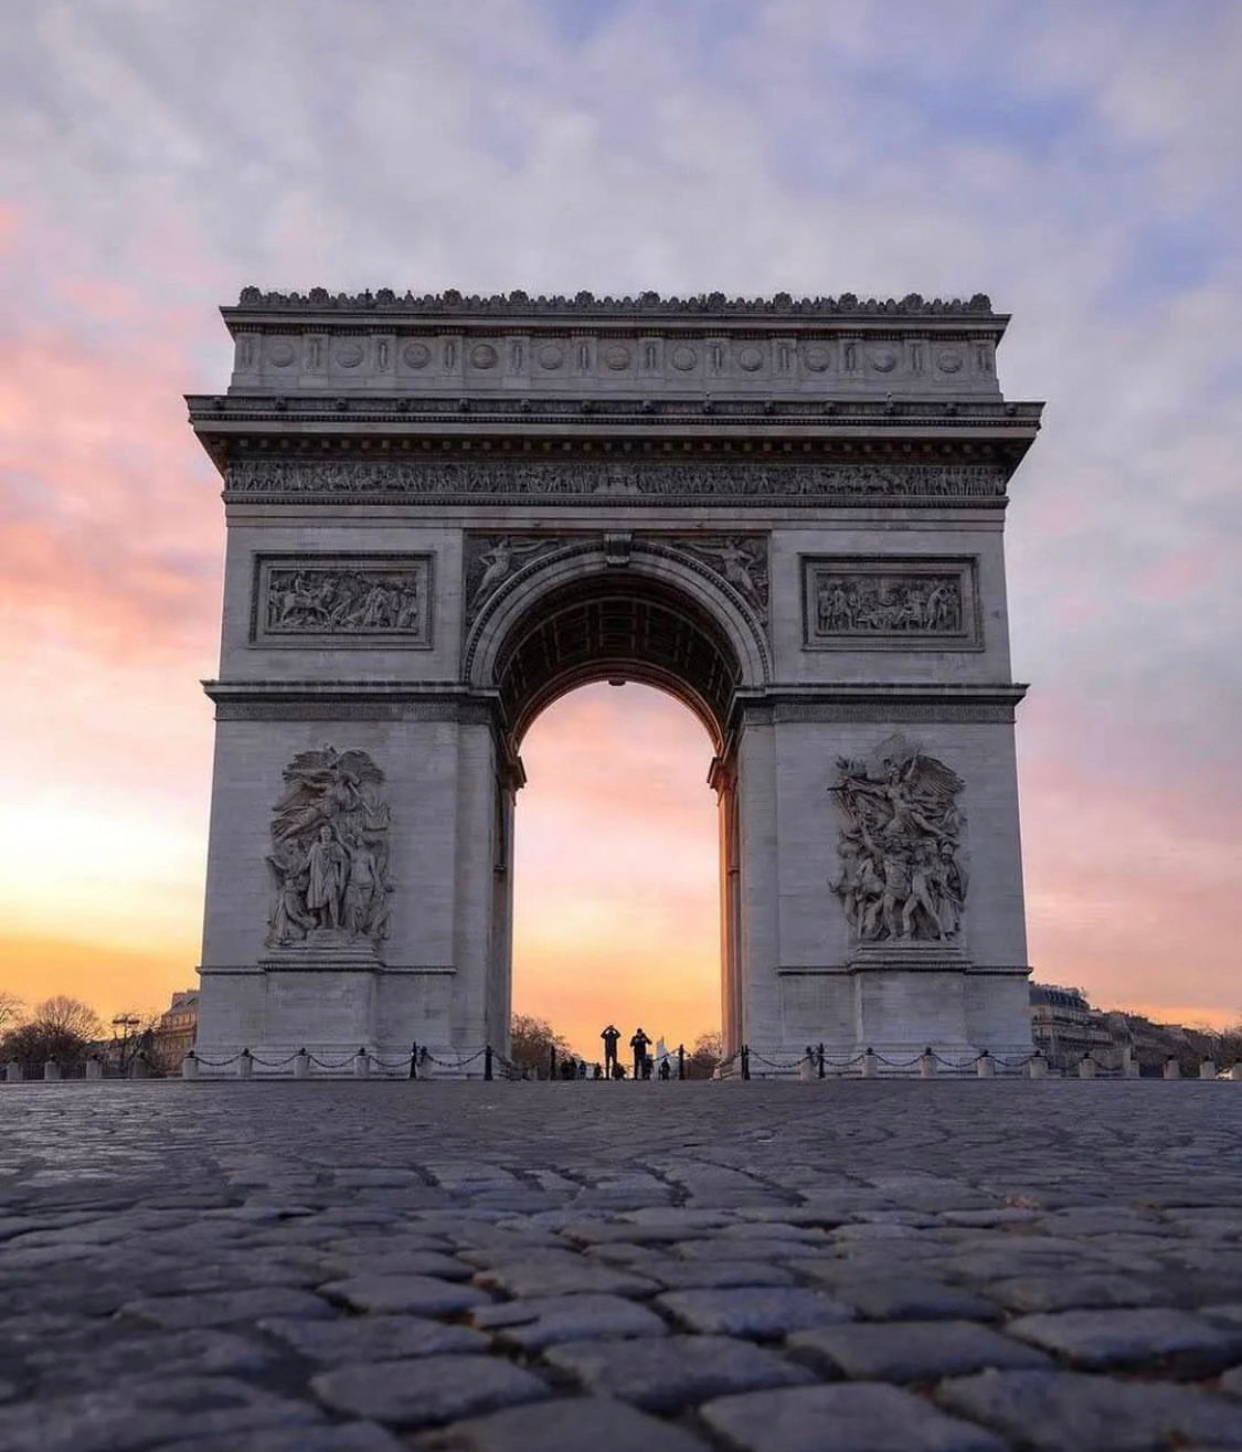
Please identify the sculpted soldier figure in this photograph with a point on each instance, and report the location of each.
(900, 877)
(328, 867)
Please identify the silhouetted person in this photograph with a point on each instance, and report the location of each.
(611, 1037)
(665, 1071)
(639, 1044)
(598, 1072)
(618, 1071)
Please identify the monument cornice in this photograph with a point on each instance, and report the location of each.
(526, 414)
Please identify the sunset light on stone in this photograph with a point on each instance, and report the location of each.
(157, 162)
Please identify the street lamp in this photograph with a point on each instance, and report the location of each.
(125, 1022)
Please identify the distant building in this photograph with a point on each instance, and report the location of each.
(1065, 1028)
(174, 1032)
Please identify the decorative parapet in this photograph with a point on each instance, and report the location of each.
(586, 304)
(709, 344)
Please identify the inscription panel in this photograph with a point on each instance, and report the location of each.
(342, 600)
(881, 602)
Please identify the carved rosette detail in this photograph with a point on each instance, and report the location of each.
(328, 861)
(901, 879)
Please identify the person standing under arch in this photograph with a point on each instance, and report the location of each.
(611, 1037)
(639, 1043)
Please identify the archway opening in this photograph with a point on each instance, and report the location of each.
(617, 887)
(630, 912)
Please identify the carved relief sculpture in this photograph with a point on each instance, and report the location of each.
(901, 879)
(742, 561)
(300, 598)
(879, 604)
(898, 603)
(329, 854)
(435, 478)
(491, 559)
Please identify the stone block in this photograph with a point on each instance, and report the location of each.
(842, 1419)
(373, 1338)
(222, 1308)
(427, 1391)
(591, 1423)
(137, 1414)
(1155, 1339)
(344, 1437)
(410, 1294)
(753, 1310)
(1064, 1411)
(668, 1373)
(545, 1320)
(914, 1350)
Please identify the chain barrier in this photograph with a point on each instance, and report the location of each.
(273, 1063)
(218, 1063)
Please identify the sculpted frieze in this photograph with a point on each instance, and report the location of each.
(328, 861)
(305, 599)
(890, 604)
(605, 482)
(901, 878)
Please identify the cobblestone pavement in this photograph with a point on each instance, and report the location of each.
(832, 1267)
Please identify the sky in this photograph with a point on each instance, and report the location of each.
(1080, 163)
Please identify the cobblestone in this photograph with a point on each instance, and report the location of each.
(433, 1389)
(600, 1426)
(915, 1350)
(357, 1267)
(1172, 1340)
(545, 1320)
(753, 1310)
(667, 1374)
(842, 1419)
(1066, 1411)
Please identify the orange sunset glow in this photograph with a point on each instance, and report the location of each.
(156, 161)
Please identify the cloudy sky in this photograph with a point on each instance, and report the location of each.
(1080, 163)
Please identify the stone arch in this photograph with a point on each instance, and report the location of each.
(642, 611)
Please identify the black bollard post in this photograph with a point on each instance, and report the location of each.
(681, 1061)
(487, 1062)
(552, 1063)
(745, 1062)
(819, 1055)
(414, 1061)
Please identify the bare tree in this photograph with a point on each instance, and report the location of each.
(532, 1041)
(61, 1028)
(707, 1053)
(70, 1015)
(12, 1011)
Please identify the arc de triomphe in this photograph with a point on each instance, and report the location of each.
(445, 512)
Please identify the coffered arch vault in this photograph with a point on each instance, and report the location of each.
(639, 611)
